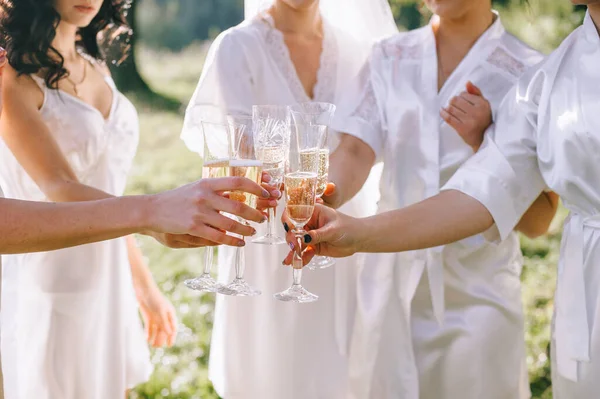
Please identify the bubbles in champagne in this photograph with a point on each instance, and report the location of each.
(273, 158)
(300, 188)
(250, 169)
(317, 159)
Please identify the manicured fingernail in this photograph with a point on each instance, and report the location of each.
(276, 194)
(253, 232)
(286, 227)
(241, 243)
(307, 238)
(291, 246)
(283, 263)
(267, 178)
(264, 219)
(266, 194)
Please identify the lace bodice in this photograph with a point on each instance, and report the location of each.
(325, 87)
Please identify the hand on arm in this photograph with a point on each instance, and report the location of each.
(470, 114)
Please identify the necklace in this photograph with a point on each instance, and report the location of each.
(82, 79)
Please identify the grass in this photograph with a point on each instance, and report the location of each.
(163, 163)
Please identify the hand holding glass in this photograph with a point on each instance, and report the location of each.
(300, 190)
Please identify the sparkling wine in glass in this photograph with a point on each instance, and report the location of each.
(216, 154)
(317, 113)
(300, 191)
(243, 163)
(271, 141)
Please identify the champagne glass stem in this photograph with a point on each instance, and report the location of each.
(240, 265)
(208, 260)
(297, 261)
(271, 226)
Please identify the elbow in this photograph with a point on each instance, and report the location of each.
(58, 190)
(534, 229)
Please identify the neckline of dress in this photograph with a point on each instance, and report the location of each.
(281, 55)
(107, 80)
(495, 30)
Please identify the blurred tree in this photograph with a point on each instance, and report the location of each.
(126, 74)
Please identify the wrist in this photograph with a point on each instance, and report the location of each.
(145, 214)
(364, 232)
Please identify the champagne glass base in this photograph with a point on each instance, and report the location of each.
(269, 239)
(203, 283)
(320, 262)
(238, 287)
(296, 293)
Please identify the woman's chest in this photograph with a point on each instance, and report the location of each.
(89, 140)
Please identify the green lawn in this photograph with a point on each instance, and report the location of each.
(163, 162)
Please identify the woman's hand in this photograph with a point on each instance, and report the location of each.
(470, 114)
(160, 320)
(190, 215)
(330, 233)
(263, 204)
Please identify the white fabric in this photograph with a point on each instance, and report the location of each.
(464, 318)
(548, 136)
(70, 327)
(262, 348)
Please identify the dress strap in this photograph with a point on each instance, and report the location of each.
(40, 82)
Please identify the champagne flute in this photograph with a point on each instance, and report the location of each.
(243, 163)
(300, 191)
(317, 113)
(271, 140)
(217, 152)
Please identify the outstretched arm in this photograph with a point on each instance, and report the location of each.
(445, 218)
(191, 210)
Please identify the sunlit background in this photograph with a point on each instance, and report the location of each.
(171, 40)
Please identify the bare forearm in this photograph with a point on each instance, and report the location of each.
(536, 221)
(141, 275)
(32, 227)
(349, 168)
(443, 219)
(73, 191)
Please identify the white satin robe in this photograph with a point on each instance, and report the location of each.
(263, 348)
(547, 135)
(444, 323)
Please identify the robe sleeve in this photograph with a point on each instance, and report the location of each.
(359, 113)
(504, 174)
(225, 86)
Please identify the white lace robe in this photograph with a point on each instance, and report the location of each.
(263, 348)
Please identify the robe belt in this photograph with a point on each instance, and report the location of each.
(572, 333)
(432, 260)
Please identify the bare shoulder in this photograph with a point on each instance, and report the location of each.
(21, 89)
(103, 68)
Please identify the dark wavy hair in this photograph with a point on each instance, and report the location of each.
(28, 27)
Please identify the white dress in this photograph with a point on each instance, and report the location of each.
(547, 135)
(70, 326)
(445, 323)
(263, 348)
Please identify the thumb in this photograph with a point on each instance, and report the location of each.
(318, 236)
(472, 89)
